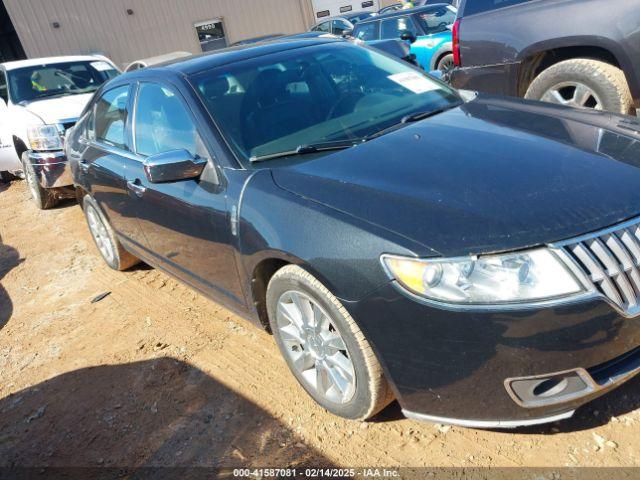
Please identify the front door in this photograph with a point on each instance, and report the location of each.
(185, 222)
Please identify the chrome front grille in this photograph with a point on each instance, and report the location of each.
(611, 261)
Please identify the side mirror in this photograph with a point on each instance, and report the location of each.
(407, 36)
(173, 166)
(347, 33)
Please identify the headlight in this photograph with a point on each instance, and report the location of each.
(494, 279)
(44, 137)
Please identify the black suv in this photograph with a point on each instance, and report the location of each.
(582, 53)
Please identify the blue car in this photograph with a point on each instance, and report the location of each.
(428, 27)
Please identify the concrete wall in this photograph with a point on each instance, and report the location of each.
(154, 28)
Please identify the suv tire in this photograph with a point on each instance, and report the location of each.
(369, 391)
(605, 85)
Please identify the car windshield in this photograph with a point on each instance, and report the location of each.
(321, 94)
(42, 81)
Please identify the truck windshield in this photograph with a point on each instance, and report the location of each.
(42, 81)
(334, 92)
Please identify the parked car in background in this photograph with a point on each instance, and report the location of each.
(417, 3)
(43, 99)
(147, 62)
(340, 25)
(399, 238)
(428, 27)
(581, 53)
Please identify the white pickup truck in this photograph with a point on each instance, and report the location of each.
(40, 100)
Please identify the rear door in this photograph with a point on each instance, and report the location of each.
(105, 160)
(186, 221)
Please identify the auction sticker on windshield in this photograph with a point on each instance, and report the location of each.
(414, 82)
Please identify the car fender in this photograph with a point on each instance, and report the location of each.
(343, 252)
(444, 49)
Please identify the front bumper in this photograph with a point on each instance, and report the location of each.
(455, 366)
(51, 169)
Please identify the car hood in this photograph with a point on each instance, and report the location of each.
(52, 110)
(492, 175)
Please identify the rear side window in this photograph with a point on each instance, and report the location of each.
(366, 31)
(472, 7)
(111, 115)
(437, 20)
(395, 27)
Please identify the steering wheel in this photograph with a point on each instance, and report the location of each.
(344, 104)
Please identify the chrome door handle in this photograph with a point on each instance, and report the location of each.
(136, 188)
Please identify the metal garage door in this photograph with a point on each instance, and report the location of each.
(332, 8)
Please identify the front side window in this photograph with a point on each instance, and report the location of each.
(162, 122)
(69, 78)
(341, 26)
(332, 92)
(323, 27)
(437, 20)
(366, 32)
(395, 27)
(111, 113)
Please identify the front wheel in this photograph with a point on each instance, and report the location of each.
(583, 83)
(5, 177)
(323, 346)
(43, 197)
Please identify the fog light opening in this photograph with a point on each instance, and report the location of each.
(551, 387)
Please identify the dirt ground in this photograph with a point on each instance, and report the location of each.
(156, 375)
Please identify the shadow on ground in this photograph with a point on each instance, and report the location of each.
(9, 259)
(154, 413)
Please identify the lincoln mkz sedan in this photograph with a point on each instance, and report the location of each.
(474, 257)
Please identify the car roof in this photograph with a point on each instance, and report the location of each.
(51, 60)
(400, 13)
(345, 16)
(207, 61)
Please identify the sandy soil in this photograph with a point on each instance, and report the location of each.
(155, 374)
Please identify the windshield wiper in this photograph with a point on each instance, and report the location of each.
(308, 148)
(413, 117)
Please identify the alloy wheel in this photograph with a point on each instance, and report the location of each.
(100, 234)
(573, 94)
(315, 347)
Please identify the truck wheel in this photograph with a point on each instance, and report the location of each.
(112, 251)
(323, 346)
(5, 177)
(445, 63)
(583, 83)
(44, 198)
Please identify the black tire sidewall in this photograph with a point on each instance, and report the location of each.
(359, 405)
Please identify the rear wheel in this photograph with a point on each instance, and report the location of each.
(583, 83)
(323, 346)
(112, 251)
(5, 177)
(445, 63)
(43, 197)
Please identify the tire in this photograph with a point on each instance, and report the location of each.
(5, 177)
(445, 63)
(110, 248)
(369, 392)
(608, 86)
(44, 198)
